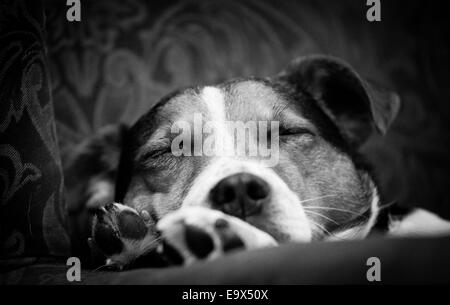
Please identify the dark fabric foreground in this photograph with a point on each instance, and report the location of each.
(410, 261)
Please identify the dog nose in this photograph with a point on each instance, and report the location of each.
(240, 195)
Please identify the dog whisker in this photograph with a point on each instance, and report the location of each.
(336, 209)
(321, 215)
(317, 198)
(328, 233)
(343, 210)
(321, 228)
(100, 267)
(330, 196)
(153, 242)
(387, 205)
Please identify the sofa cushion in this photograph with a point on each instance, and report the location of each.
(31, 182)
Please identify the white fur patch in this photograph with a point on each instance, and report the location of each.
(215, 101)
(419, 223)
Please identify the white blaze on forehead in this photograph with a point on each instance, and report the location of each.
(215, 101)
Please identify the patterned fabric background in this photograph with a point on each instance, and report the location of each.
(31, 184)
(124, 55)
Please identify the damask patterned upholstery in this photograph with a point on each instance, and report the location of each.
(31, 183)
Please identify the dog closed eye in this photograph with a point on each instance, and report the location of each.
(155, 153)
(295, 131)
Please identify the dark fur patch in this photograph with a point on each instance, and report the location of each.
(107, 239)
(131, 225)
(198, 241)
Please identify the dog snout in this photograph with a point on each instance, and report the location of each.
(241, 195)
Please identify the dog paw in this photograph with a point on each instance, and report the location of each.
(196, 233)
(125, 237)
(128, 239)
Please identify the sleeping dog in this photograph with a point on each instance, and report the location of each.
(154, 204)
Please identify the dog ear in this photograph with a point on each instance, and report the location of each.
(355, 106)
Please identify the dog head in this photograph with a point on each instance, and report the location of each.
(313, 118)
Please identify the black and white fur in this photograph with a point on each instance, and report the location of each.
(321, 189)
